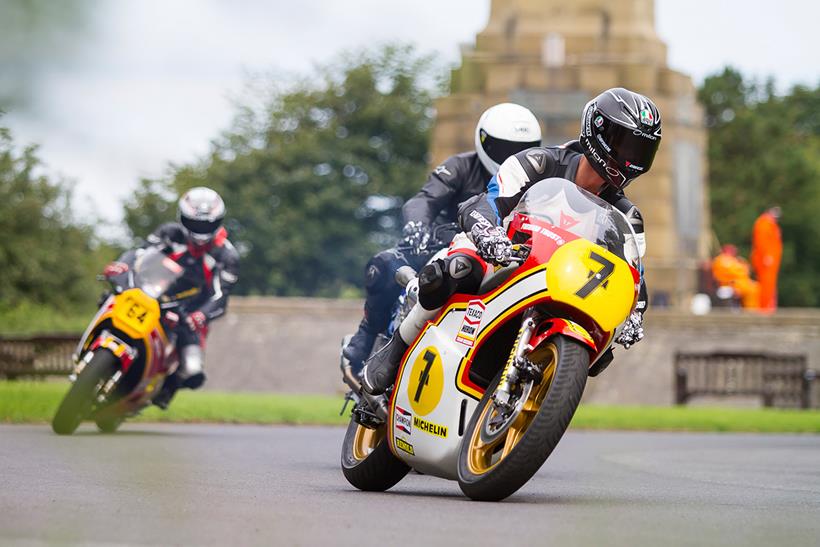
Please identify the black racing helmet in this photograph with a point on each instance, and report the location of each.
(620, 134)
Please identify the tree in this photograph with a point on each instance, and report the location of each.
(763, 151)
(45, 257)
(313, 183)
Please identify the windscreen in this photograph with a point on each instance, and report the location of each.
(154, 272)
(569, 207)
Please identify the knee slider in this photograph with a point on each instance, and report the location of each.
(431, 277)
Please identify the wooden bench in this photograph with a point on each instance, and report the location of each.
(46, 355)
(781, 380)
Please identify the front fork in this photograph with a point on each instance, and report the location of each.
(518, 367)
(120, 349)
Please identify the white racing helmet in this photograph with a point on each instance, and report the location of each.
(201, 212)
(504, 130)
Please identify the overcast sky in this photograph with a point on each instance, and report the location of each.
(152, 80)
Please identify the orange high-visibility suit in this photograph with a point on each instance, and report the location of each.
(731, 270)
(767, 249)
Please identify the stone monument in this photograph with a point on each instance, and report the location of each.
(552, 56)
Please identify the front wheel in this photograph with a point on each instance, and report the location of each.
(497, 457)
(108, 424)
(80, 399)
(367, 462)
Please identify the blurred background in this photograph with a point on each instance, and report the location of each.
(316, 123)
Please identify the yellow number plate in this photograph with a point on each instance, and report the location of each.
(136, 313)
(593, 280)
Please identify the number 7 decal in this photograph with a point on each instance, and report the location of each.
(424, 378)
(597, 278)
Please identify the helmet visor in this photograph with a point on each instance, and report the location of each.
(201, 228)
(501, 149)
(633, 149)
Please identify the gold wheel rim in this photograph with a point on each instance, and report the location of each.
(482, 457)
(366, 440)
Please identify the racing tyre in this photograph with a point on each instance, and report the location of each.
(108, 425)
(80, 399)
(497, 456)
(367, 462)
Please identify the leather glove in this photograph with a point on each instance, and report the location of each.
(492, 244)
(632, 332)
(113, 269)
(196, 321)
(416, 236)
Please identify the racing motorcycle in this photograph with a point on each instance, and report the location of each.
(128, 348)
(488, 388)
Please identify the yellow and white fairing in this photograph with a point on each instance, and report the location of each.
(591, 268)
(433, 402)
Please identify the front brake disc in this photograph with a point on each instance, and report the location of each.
(495, 423)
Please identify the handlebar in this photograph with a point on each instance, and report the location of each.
(520, 253)
(435, 242)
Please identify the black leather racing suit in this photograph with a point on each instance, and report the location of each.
(459, 178)
(208, 279)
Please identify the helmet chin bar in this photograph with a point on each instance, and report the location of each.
(199, 240)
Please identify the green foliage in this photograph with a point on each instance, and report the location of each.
(47, 260)
(36, 402)
(313, 182)
(763, 151)
(28, 319)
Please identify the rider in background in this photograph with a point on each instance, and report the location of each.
(620, 134)
(502, 131)
(199, 243)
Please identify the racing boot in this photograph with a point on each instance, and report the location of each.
(380, 370)
(169, 389)
(358, 349)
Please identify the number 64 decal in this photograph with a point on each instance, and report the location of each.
(598, 278)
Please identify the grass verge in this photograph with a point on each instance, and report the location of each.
(35, 402)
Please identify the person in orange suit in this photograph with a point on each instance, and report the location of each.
(731, 270)
(767, 249)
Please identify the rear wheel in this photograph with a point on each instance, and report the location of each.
(497, 456)
(80, 399)
(367, 462)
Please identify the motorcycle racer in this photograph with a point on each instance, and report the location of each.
(502, 130)
(199, 243)
(620, 134)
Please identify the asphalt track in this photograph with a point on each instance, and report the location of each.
(247, 485)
